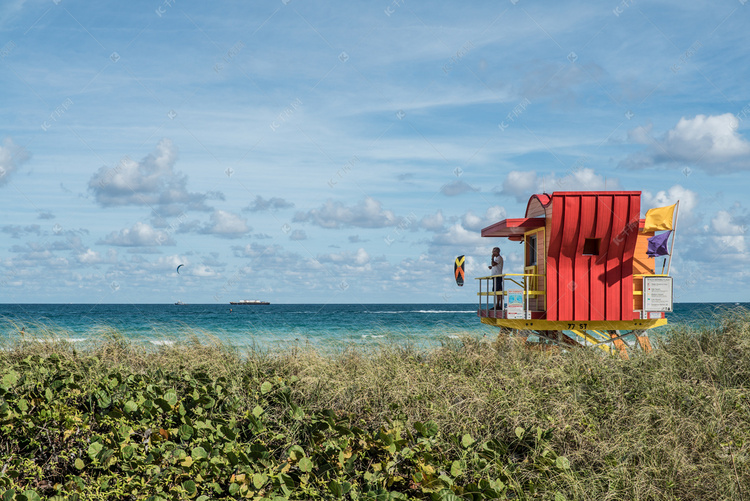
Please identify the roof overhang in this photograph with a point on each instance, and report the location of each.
(513, 227)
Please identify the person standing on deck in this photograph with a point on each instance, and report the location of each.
(496, 268)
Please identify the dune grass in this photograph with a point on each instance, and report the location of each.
(469, 420)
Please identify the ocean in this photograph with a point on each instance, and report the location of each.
(276, 326)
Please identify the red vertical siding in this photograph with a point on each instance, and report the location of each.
(581, 287)
(585, 283)
(603, 230)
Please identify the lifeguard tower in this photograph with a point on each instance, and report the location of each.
(589, 274)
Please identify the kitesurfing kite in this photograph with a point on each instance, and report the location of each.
(178, 268)
(458, 270)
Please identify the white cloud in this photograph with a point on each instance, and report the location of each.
(11, 157)
(367, 214)
(472, 222)
(357, 259)
(152, 182)
(688, 200)
(298, 235)
(457, 187)
(140, 235)
(433, 222)
(710, 142)
(724, 224)
(458, 236)
(520, 185)
(274, 203)
(89, 257)
(226, 224)
(582, 179)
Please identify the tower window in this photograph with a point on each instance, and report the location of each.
(591, 246)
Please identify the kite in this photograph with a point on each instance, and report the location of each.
(458, 270)
(178, 268)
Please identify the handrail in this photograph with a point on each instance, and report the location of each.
(524, 283)
(510, 275)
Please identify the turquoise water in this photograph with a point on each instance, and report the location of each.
(275, 326)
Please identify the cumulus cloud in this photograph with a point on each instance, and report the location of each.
(298, 235)
(366, 214)
(89, 257)
(521, 185)
(688, 199)
(140, 235)
(433, 222)
(472, 222)
(356, 259)
(458, 236)
(710, 142)
(12, 156)
(152, 182)
(724, 224)
(17, 231)
(274, 203)
(225, 224)
(457, 187)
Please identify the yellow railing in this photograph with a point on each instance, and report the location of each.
(525, 281)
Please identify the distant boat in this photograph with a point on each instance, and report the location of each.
(180, 302)
(249, 301)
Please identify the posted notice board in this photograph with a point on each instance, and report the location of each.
(657, 294)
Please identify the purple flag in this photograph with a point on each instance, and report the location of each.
(657, 245)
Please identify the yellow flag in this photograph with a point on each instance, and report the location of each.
(659, 218)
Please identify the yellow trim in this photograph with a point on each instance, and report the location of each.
(507, 275)
(557, 325)
(591, 339)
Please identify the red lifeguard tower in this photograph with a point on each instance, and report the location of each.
(586, 261)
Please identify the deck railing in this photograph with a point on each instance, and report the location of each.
(523, 281)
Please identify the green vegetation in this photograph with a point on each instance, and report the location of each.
(471, 420)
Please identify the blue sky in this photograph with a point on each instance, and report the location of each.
(346, 152)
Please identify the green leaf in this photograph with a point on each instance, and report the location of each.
(428, 429)
(9, 495)
(186, 431)
(266, 387)
(130, 406)
(519, 432)
(228, 432)
(258, 410)
(199, 453)
(562, 463)
(559, 496)
(287, 483)
(305, 464)
(456, 468)
(335, 488)
(79, 464)
(94, 450)
(103, 399)
(9, 380)
(171, 397)
(32, 495)
(234, 488)
(189, 487)
(467, 440)
(448, 495)
(259, 480)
